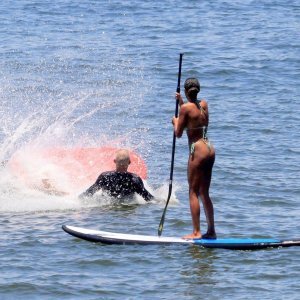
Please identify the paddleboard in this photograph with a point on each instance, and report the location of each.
(223, 243)
(68, 169)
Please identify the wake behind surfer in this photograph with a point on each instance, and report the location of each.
(119, 183)
(194, 117)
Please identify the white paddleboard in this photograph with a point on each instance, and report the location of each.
(224, 243)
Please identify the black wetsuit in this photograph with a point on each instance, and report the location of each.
(119, 185)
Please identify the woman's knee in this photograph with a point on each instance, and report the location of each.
(203, 192)
(193, 192)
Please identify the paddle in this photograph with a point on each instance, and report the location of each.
(161, 224)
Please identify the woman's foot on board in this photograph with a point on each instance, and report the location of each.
(194, 235)
(209, 236)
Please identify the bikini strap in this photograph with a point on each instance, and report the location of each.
(197, 103)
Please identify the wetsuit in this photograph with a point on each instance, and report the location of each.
(119, 185)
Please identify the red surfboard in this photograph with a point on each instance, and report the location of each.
(68, 169)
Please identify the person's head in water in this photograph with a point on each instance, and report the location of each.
(122, 160)
(192, 88)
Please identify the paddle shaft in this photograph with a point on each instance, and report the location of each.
(161, 224)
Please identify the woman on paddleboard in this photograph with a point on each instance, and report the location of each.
(194, 118)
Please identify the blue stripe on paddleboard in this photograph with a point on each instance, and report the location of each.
(231, 241)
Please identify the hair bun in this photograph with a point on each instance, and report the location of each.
(193, 89)
(192, 84)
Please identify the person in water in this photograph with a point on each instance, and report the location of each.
(48, 188)
(119, 183)
(194, 117)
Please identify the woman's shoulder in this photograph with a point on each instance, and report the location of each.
(203, 103)
(191, 105)
(187, 105)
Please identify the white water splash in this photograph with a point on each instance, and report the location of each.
(39, 111)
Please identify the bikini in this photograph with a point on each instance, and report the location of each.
(204, 137)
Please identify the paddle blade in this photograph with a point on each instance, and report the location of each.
(161, 224)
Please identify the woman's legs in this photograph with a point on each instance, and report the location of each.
(199, 178)
(207, 203)
(194, 186)
(195, 213)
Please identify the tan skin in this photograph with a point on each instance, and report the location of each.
(200, 163)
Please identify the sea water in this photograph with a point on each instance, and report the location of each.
(104, 73)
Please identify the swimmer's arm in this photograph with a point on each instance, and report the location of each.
(141, 190)
(146, 195)
(90, 191)
(93, 189)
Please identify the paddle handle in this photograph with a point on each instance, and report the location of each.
(178, 83)
(176, 115)
(161, 224)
